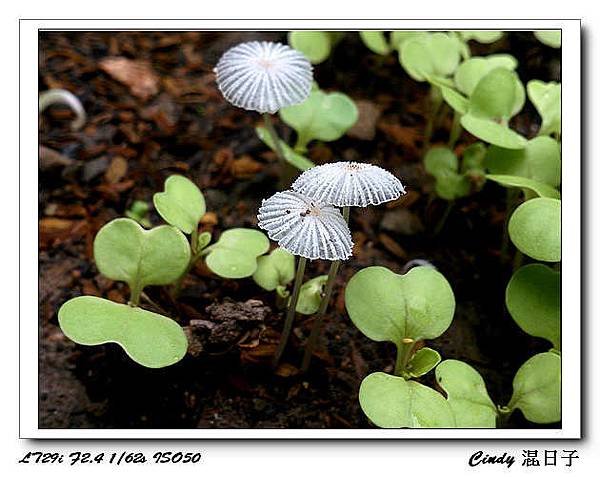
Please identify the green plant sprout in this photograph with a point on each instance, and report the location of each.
(264, 77)
(323, 116)
(546, 98)
(308, 228)
(139, 211)
(234, 255)
(345, 185)
(124, 251)
(550, 38)
(375, 41)
(315, 45)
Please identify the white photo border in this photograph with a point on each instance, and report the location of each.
(571, 310)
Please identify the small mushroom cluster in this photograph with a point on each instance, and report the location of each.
(305, 221)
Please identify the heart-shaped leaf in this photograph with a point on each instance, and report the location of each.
(315, 45)
(125, 251)
(431, 55)
(275, 269)
(538, 160)
(375, 41)
(481, 36)
(149, 339)
(539, 188)
(390, 307)
(549, 37)
(423, 361)
(392, 402)
(310, 296)
(546, 98)
(295, 159)
(323, 116)
(536, 388)
(466, 394)
(498, 95)
(471, 71)
(181, 204)
(534, 228)
(533, 300)
(234, 254)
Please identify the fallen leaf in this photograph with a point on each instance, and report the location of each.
(138, 76)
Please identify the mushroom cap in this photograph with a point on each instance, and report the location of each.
(264, 76)
(349, 184)
(305, 227)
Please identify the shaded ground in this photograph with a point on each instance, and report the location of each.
(171, 119)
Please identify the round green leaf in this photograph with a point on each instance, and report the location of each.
(533, 300)
(538, 160)
(149, 339)
(295, 159)
(275, 269)
(399, 37)
(315, 45)
(491, 131)
(375, 41)
(534, 228)
(234, 254)
(539, 188)
(467, 394)
(536, 388)
(470, 72)
(423, 361)
(323, 116)
(181, 204)
(481, 36)
(310, 296)
(391, 402)
(390, 307)
(495, 95)
(473, 157)
(439, 160)
(125, 251)
(430, 55)
(549, 37)
(546, 98)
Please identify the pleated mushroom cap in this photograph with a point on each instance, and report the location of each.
(264, 76)
(349, 184)
(304, 227)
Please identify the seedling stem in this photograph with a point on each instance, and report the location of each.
(404, 353)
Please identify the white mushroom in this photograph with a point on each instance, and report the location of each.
(305, 226)
(349, 184)
(264, 76)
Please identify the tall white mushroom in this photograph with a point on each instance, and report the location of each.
(264, 76)
(343, 184)
(308, 228)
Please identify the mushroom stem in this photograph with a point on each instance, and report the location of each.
(291, 311)
(274, 137)
(318, 324)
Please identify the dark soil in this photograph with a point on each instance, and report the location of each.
(176, 121)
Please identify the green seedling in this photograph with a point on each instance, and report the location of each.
(323, 116)
(315, 45)
(471, 71)
(546, 98)
(375, 41)
(311, 294)
(467, 395)
(534, 228)
(236, 252)
(393, 402)
(423, 361)
(496, 98)
(403, 309)
(139, 212)
(549, 37)
(124, 251)
(533, 301)
(275, 271)
(454, 180)
(536, 389)
(234, 255)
